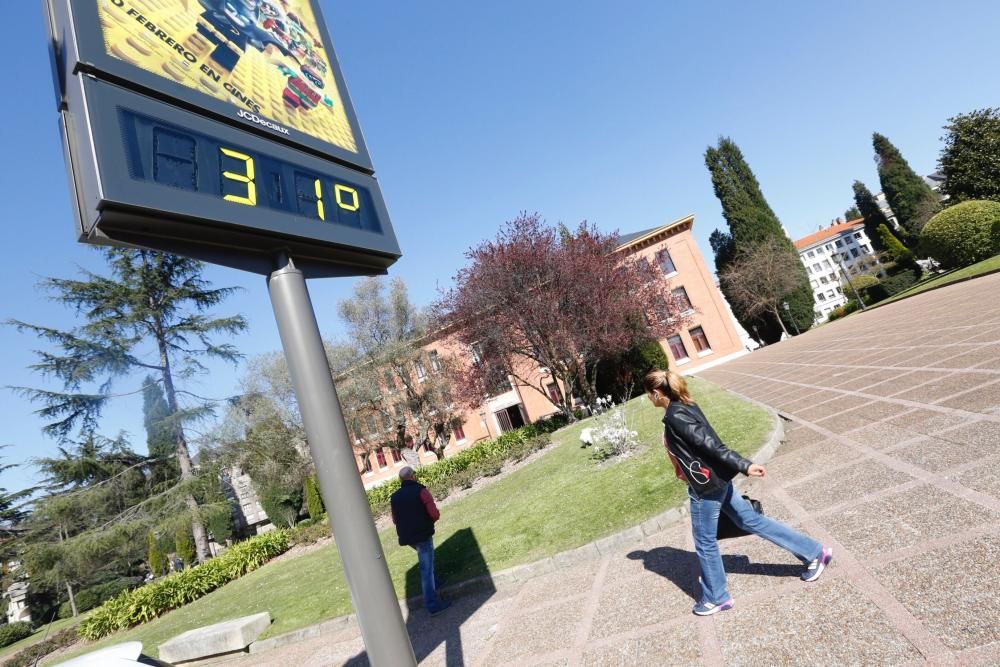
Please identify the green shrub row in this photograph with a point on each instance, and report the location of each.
(30, 655)
(88, 598)
(14, 632)
(483, 459)
(175, 590)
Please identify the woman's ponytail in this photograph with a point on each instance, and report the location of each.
(671, 384)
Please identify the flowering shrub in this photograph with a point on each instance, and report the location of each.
(611, 435)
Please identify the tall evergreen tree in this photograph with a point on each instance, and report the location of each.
(970, 159)
(910, 198)
(149, 315)
(160, 441)
(751, 221)
(865, 202)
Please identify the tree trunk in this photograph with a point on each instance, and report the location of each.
(72, 598)
(780, 321)
(183, 457)
(566, 393)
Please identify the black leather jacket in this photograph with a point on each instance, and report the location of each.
(707, 464)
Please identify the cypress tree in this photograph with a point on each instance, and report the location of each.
(314, 501)
(910, 198)
(874, 217)
(157, 559)
(184, 545)
(751, 221)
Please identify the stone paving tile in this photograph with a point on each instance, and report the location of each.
(879, 410)
(843, 422)
(551, 628)
(984, 434)
(677, 646)
(658, 554)
(954, 592)
(798, 438)
(774, 508)
(853, 378)
(826, 623)
(967, 357)
(660, 598)
(944, 386)
(809, 460)
(984, 478)
(834, 407)
(927, 422)
(936, 455)
(881, 435)
(564, 582)
(984, 399)
(846, 484)
(753, 564)
(892, 382)
(810, 400)
(904, 520)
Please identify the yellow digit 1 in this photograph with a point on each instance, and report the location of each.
(319, 200)
(247, 178)
(339, 190)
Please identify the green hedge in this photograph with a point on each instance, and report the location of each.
(30, 655)
(963, 234)
(178, 589)
(14, 632)
(481, 460)
(88, 598)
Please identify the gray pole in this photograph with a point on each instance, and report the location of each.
(857, 296)
(374, 597)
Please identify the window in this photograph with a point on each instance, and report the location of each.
(459, 432)
(380, 455)
(435, 362)
(845, 256)
(839, 244)
(826, 264)
(677, 348)
(666, 262)
(809, 270)
(553, 392)
(854, 252)
(681, 297)
(396, 456)
(829, 248)
(823, 280)
(833, 277)
(839, 291)
(817, 267)
(857, 235)
(418, 367)
(811, 253)
(821, 296)
(700, 340)
(865, 249)
(831, 294)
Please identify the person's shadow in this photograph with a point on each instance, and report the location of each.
(681, 567)
(457, 560)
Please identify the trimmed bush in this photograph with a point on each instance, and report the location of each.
(900, 282)
(314, 501)
(28, 656)
(14, 632)
(483, 459)
(963, 234)
(178, 589)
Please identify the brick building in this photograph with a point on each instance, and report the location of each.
(710, 338)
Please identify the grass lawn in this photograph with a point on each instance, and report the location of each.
(986, 266)
(561, 501)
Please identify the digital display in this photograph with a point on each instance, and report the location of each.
(265, 57)
(175, 157)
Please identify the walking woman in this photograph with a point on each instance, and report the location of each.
(708, 467)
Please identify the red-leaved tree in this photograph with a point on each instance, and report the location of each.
(540, 296)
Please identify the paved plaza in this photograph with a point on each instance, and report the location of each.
(893, 441)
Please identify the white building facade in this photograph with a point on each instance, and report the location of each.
(828, 255)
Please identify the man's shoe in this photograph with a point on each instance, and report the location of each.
(707, 608)
(815, 568)
(441, 607)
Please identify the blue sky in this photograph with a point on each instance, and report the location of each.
(576, 109)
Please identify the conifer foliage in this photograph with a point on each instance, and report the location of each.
(751, 222)
(866, 204)
(910, 198)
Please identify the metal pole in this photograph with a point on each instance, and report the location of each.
(374, 597)
(848, 279)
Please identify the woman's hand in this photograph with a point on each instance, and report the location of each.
(756, 470)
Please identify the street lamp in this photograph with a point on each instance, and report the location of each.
(784, 304)
(861, 302)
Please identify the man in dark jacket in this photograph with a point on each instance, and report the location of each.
(414, 514)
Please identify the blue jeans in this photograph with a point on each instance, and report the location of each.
(425, 557)
(705, 525)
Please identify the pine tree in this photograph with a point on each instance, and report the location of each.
(160, 441)
(751, 221)
(151, 303)
(909, 197)
(874, 217)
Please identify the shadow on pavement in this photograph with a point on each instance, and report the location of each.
(456, 559)
(681, 567)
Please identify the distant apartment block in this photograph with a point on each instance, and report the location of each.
(829, 254)
(709, 338)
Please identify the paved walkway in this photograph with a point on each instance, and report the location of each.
(891, 458)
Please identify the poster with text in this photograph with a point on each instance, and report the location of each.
(263, 56)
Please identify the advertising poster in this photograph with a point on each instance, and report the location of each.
(265, 57)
